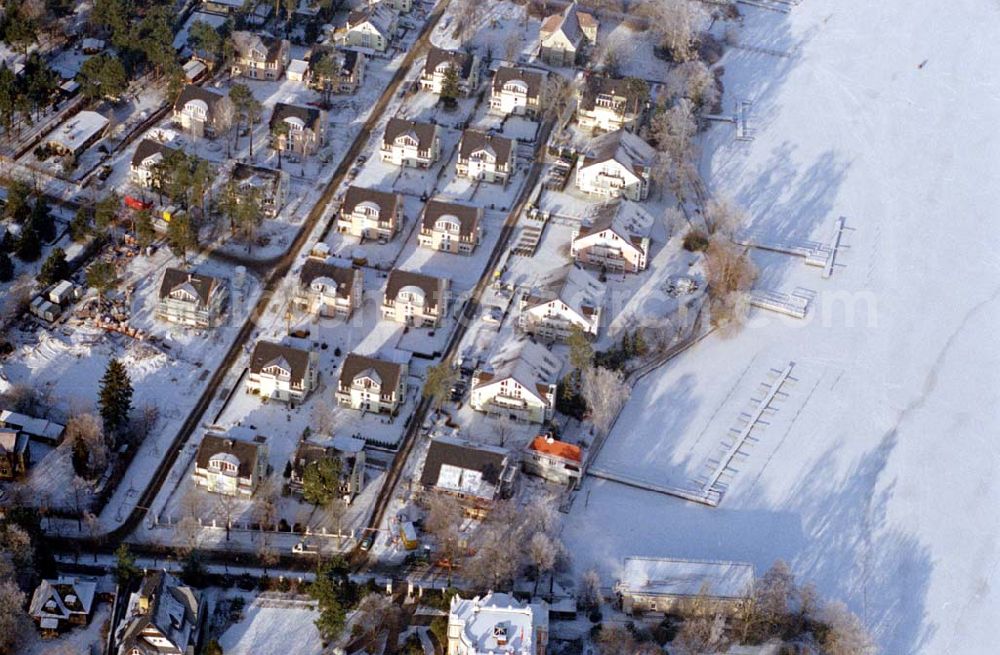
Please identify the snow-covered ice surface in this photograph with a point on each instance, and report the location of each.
(876, 477)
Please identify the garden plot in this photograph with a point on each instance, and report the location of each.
(81, 639)
(504, 30)
(267, 629)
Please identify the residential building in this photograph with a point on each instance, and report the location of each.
(370, 214)
(231, 464)
(78, 133)
(15, 453)
(60, 604)
(614, 239)
(517, 91)
(267, 185)
(553, 460)
(655, 584)
(564, 35)
(344, 73)
(566, 298)
(352, 466)
(617, 165)
(485, 157)
(163, 617)
(192, 299)
(223, 7)
(451, 227)
(497, 623)
(38, 429)
(410, 143)
(476, 474)
(372, 27)
(605, 103)
(439, 61)
(329, 290)
(259, 56)
(306, 128)
(195, 110)
(370, 384)
(297, 70)
(415, 299)
(146, 162)
(518, 382)
(281, 372)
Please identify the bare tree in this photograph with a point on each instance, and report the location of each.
(693, 80)
(265, 504)
(844, 633)
(18, 298)
(93, 524)
(15, 626)
(605, 392)
(590, 589)
(616, 640)
(227, 506)
(324, 418)
(223, 117)
(512, 46)
(673, 23)
(730, 275)
(87, 428)
(674, 130)
(558, 96)
(376, 616)
(444, 522)
(266, 554)
(495, 564)
(543, 551)
(187, 536)
(144, 420)
(702, 633)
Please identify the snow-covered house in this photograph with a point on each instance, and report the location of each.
(268, 185)
(306, 128)
(440, 60)
(148, 156)
(564, 35)
(415, 299)
(194, 110)
(343, 73)
(655, 584)
(617, 164)
(450, 227)
(192, 299)
(567, 297)
(162, 617)
(329, 290)
(517, 91)
(38, 429)
(371, 27)
(231, 464)
(518, 382)
(59, 604)
(352, 463)
(554, 460)
(615, 238)
(15, 453)
(78, 133)
(605, 103)
(485, 157)
(370, 214)
(497, 623)
(281, 372)
(475, 473)
(371, 385)
(410, 143)
(259, 56)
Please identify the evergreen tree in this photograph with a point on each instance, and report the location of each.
(41, 219)
(115, 398)
(450, 85)
(333, 590)
(79, 227)
(321, 481)
(101, 275)
(125, 570)
(55, 267)
(103, 76)
(29, 246)
(144, 232)
(18, 207)
(181, 235)
(106, 212)
(6, 267)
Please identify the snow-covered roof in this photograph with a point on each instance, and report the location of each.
(622, 146)
(498, 623)
(531, 365)
(78, 130)
(297, 67)
(576, 288)
(656, 576)
(35, 427)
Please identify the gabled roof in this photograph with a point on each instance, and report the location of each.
(424, 133)
(532, 79)
(467, 215)
(437, 56)
(387, 202)
(388, 373)
(309, 116)
(379, 15)
(529, 364)
(192, 92)
(245, 452)
(489, 462)
(12, 441)
(246, 42)
(431, 286)
(473, 141)
(344, 276)
(201, 286)
(624, 147)
(571, 21)
(149, 147)
(575, 288)
(596, 85)
(62, 598)
(173, 612)
(266, 353)
(345, 59)
(627, 219)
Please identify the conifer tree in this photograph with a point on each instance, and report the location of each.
(115, 399)
(6, 267)
(55, 267)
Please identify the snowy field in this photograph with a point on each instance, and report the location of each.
(272, 631)
(876, 477)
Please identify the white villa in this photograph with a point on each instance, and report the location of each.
(371, 385)
(617, 165)
(554, 460)
(485, 157)
(269, 185)
(148, 156)
(518, 382)
(497, 623)
(410, 143)
(188, 298)
(517, 91)
(306, 131)
(614, 239)
(564, 35)
(371, 27)
(194, 110)
(370, 214)
(281, 372)
(232, 464)
(605, 103)
(451, 227)
(567, 298)
(329, 290)
(259, 57)
(415, 299)
(439, 61)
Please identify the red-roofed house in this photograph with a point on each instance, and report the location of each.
(553, 460)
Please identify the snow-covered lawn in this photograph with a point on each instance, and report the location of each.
(82, 639)
(273, 631)
(876, 476)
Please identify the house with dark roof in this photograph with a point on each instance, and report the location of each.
(195, 110)
(372, 27)
(328, 290)
(259, 56)
(450, 227)
(335, 70)
(415, 299)
(410, 143)
(485, 157)
(148, 157)
(370, 214)
(518, 382)
(192, 299)
(370, 384)
(15, 453)
(163, 617)
(60, 604)
(306, 128)
(567, 298)
(615, 238)
(281, 372)
(352, 466)
(517, 91)
(553, 460)
(440, 60)
(616, 165)
(476, 474)
(605, 103)
(231, 464)
(267, 185)
(564, 35)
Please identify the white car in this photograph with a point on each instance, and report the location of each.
(492, 314)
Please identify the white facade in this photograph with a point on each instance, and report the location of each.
(497, 624)
(519, 383)
(571, 298)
